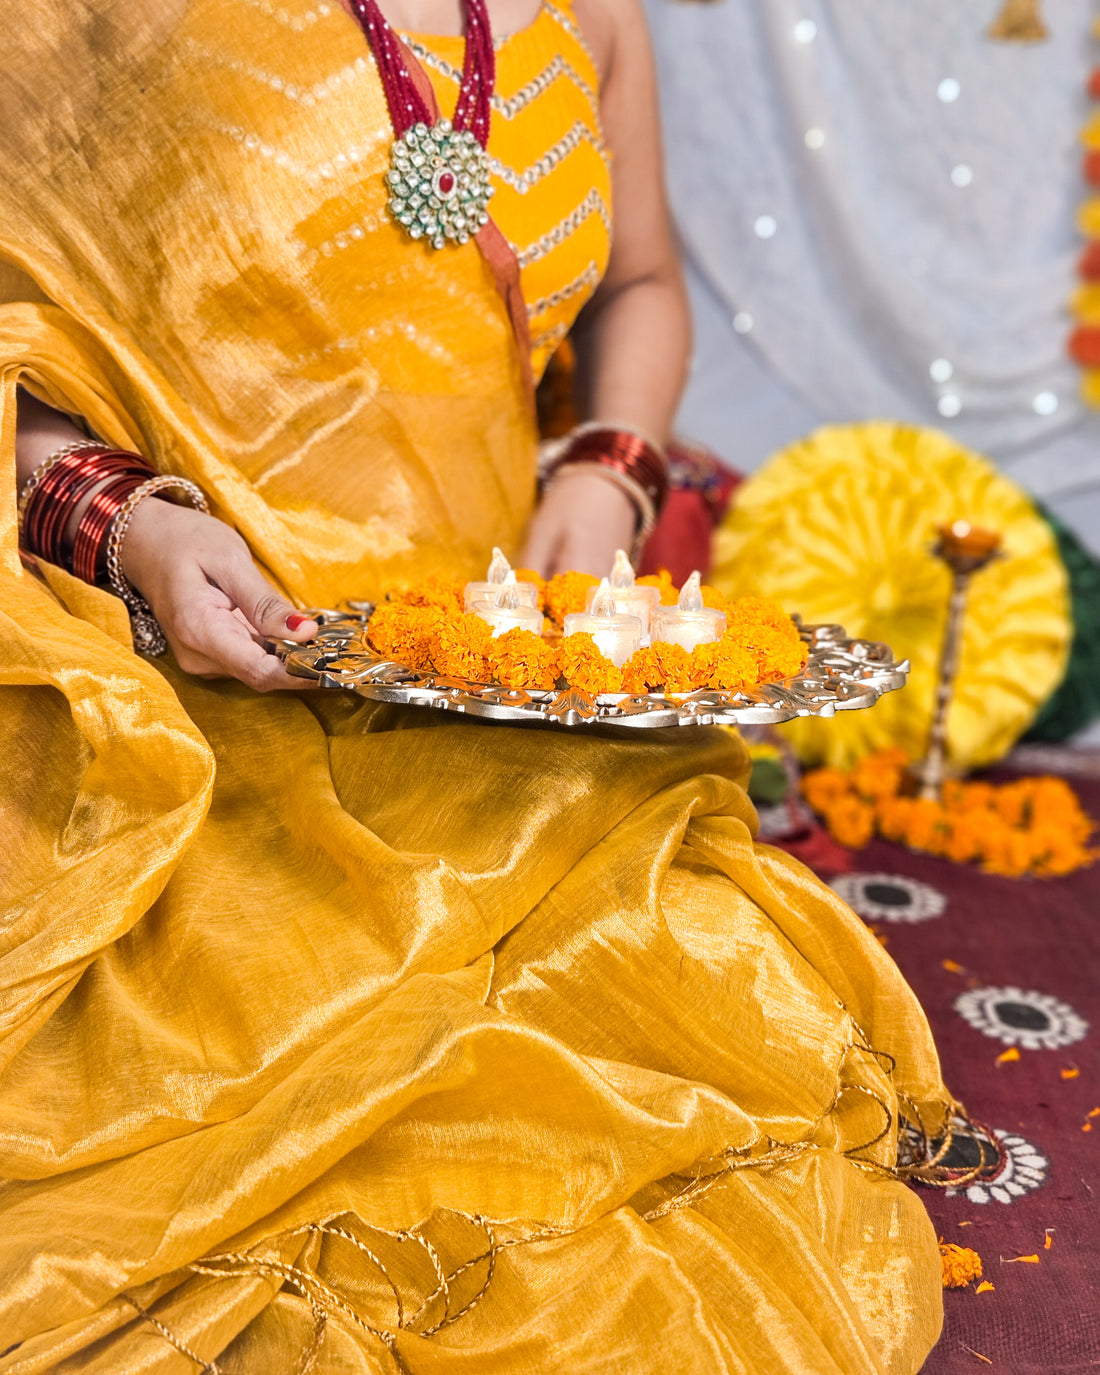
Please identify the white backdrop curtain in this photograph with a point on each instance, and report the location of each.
(877, 204)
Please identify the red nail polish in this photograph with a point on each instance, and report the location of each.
(294, 621)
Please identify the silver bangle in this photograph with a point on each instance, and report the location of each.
(31, 484)
(148, 636)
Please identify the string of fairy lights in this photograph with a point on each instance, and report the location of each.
(944, 388)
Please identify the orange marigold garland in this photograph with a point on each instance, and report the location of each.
(1030, 826)
(426, 628)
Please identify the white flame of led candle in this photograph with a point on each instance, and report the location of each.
(508, 596)
(627, 597)
(498, 574)
(691, 594)
(499, 567)
(690, 622)
(506, 607)
(603, 603)
(622, 571)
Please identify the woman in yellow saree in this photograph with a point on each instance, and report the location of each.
(340, 1037)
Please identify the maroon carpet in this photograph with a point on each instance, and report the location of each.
(1008, 965)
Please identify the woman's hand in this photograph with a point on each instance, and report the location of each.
(580, 522)
(213, 604)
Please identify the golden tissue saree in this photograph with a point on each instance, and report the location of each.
(337, 1037)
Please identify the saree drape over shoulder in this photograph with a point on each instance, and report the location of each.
(335, 1033)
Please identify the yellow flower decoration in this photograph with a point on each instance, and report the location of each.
(839, 528)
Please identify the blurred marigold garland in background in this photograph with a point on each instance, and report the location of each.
(1029, 826)
(1084, 341)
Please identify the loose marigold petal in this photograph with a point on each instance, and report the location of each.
(1006, 1056)
(1021, 1260)
(953, 968)
(984, 1288)
(1070, 1073)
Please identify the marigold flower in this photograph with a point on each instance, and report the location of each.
(960, 1265)
(462, 647)
(851, 822)
(822, 787)
(735, 665)
(582, 665)
(877, 777)
(718, 601)
(566, 593)
(444, 593)
(892, 816)
(962, 838)
(405, 633)
(1031, 826)
(522, 659)
(664, 667)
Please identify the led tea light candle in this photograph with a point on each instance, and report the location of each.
(489, 590)
(689, 623)
(616, 636)
(507, 611)
(628, 598)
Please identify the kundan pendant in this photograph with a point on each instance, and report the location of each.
(439, 183)
(438, 180)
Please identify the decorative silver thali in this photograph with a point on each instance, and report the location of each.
(842, 674)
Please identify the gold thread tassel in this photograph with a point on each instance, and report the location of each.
(1020, 21)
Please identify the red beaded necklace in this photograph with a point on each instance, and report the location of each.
(439, 175)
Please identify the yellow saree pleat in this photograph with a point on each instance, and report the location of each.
(335, 1031)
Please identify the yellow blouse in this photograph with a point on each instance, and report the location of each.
(547, 155)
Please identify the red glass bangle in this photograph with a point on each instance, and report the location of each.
(89, 544)
(101, 474)
(626, 453)
(77, 486)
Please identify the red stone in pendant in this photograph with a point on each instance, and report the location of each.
(446, 183)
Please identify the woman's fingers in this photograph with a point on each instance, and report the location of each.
(224, 647)
(269, 614)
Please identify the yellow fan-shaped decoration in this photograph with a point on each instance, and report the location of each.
(839, 528)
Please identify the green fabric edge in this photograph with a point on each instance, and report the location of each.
(1076, 702)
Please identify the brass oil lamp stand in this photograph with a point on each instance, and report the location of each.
(965, 549)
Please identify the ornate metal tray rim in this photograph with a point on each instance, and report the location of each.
(842, 674)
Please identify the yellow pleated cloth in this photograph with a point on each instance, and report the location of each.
(840, 527)
(342, 1037)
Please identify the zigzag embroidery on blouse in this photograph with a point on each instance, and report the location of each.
(512, 106)
(565, 22)
(542, 167)
(593, 204)
(589, 278)
(550, 338)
